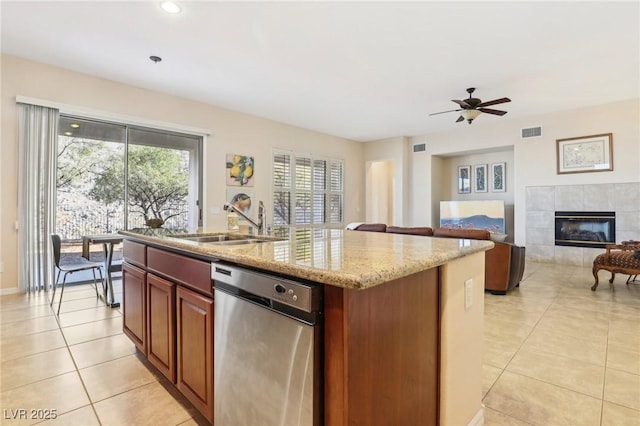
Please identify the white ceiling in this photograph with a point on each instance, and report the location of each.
(360, 70)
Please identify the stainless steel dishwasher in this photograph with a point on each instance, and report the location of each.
(267, 349)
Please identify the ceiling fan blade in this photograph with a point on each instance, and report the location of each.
(492, 111)
(461, 118)
(444, 112)
(463, 104)
(494, 102)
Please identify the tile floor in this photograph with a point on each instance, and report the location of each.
(555, 353)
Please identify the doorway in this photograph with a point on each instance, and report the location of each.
(380, 181)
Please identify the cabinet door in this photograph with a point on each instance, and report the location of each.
(194, 324)
(134, 322)
(161, 309)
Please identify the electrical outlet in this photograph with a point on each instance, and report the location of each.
(468, 293)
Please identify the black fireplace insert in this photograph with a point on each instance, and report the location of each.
(585, 229)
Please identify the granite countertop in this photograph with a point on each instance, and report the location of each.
(349, 259)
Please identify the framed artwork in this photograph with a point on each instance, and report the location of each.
(464, 179)
(242, 199)
(585, 154)
(480, 177)
(240, 170)
(498, 177)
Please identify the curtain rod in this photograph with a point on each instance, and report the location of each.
(104, 115)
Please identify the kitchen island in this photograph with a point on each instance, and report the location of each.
(403, 315)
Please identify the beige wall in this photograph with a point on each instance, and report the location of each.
(231, 132)
(461, 331)
(534, 160)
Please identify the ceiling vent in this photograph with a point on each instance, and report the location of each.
(420, 147)
(531, 132)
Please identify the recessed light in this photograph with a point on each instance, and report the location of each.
(170, 7)
(68, 133)
(74, 125)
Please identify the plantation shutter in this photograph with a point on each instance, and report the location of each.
(307, 191)
(281, 190)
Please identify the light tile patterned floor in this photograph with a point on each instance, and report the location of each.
(555, 353)
(81, 365)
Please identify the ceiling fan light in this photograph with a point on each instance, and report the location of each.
(470, 114)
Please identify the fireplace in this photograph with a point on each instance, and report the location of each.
(585, 229)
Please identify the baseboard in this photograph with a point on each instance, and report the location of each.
(478, 419)
(6, 291)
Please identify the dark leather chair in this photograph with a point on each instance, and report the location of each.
(425, 231)
(504, 263)
(372, 227)
(517, 266)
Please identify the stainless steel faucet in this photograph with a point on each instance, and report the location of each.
(262, 216)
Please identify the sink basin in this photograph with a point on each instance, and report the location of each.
(213, 238)
(235, 242)
(224, 239)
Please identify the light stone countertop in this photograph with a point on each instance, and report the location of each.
(349, 259)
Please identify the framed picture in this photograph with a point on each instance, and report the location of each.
(480, 177)
(464, 179)
(242, 199)
(240, 170)
(585, 154)
(498, 177)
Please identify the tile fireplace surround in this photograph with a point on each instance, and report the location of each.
(543, 201)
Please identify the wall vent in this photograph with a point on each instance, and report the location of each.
(531, 132)
(420, 147)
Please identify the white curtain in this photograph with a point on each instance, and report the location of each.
(38, 130)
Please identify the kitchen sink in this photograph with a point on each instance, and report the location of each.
(224, 239)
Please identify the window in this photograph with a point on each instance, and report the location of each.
(113, 176)
(308, 191)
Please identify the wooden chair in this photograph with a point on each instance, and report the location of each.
(70, 269)
(623, 259)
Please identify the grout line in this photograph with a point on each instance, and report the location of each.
(604, 379)
(84, 386)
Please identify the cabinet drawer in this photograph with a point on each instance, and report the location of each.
(184, 270)
(134, 253)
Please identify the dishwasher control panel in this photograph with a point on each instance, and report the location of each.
(300, 295)
(282, 293)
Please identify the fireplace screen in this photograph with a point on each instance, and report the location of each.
(585, 229)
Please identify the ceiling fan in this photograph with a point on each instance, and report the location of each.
(472, 107)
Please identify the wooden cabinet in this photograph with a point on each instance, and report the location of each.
(161, 337)
(134, 322)
(382, 354)
(194, 326)
(168, 314)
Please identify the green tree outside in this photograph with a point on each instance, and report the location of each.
(157, 182)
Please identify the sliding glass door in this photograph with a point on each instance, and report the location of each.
(112, 176)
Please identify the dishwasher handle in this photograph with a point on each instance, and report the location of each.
(219, 270)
